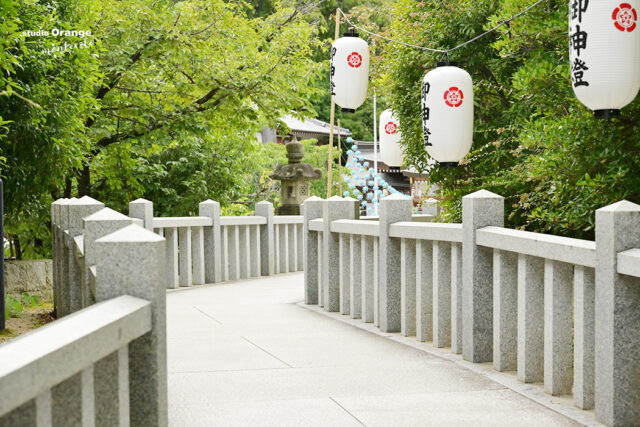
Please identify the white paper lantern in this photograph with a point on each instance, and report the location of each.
(604, 50)
(447, 114)
(390, 148)
(349, 71)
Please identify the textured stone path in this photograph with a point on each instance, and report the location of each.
(246, 354)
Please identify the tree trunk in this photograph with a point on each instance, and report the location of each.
(67, 188)
(84, 182)
(18, 249)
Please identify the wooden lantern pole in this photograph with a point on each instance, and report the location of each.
(339, 159)
(333, 115)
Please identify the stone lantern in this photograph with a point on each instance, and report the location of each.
(295, 177)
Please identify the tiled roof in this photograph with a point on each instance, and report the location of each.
(312, 126)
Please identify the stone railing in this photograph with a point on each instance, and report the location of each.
(211, 248)
(103, 362)
(560, 311)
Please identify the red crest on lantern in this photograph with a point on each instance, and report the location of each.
(453, 97)
(391, 128)
(625, 17)
(354, 60)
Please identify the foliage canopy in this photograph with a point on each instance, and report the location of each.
(534, 143)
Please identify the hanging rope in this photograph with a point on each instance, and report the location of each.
(445, 52)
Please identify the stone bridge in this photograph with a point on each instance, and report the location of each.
(330, 319)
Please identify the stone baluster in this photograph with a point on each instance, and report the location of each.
(584, 288)
(505, 310)
(558, 327)
(197, 252)
(332, 265)
(456, 298)
(424, 290)
(265, 209)
(368, 264)
(441, 294)
(530, 315)
(184, 255)
(408, 287)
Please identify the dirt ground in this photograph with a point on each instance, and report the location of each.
(31, 318)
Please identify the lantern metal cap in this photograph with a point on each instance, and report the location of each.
(449, 164)
(446, 64)
(351, 33)
(606, 114)
(348, 110)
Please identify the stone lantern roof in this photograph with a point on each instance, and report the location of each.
(295, 170)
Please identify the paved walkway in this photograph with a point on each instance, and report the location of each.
(246, 354)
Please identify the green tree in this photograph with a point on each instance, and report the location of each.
(163, 101)
(46, 96)
(534, 143)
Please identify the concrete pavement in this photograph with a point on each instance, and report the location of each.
(246, 354)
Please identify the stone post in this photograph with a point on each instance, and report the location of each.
(78, 210)
(64, 290)
(333, 209)
(617, 307)
(265, 209)
(142, 209)
(311, 209)
(393, 209)
(97, 225)
(57, 251)
(480, 209)
(131, 261)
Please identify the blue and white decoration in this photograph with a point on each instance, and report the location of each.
(371, 183)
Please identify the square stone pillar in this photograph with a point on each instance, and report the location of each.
(58, 253)
(480, 209)
(101, 223)
(311, 209)
(212, 242)
(393, 209)
(131, 261)
(64, 291)
(142, 209)
(78, 210)
(617, 327)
